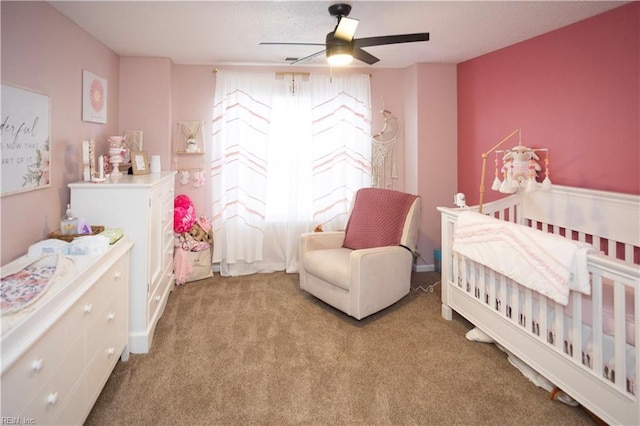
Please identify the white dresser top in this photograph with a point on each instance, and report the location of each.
(148, 180)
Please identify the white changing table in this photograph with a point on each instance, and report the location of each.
(58, 353)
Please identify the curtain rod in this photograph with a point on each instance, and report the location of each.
(283, 73)
(304, 74)
(294, 73)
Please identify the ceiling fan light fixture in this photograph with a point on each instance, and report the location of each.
(339, 52)
(340, 59)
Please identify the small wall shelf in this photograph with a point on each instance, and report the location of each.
(189, 156)
(188, 138)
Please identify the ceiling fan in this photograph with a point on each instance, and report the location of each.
(340, 46)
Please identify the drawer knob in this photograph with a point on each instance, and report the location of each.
(111, 351)
(37, 364)
(52, 398)
(111, 316)
(157, 298)
(117, 275)
(87, 308)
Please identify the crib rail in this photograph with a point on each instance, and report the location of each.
(587, 348)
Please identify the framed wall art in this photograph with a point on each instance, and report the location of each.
(133, 139)
(25, 140)
(94, 98)
(139, 163)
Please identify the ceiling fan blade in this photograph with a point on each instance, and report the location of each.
(266, 43)
(346, 28)
(365, 57)
(313, 55)
(390, 39)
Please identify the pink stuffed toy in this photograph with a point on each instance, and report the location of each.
(184, 215)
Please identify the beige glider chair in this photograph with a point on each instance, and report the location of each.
(367, 267)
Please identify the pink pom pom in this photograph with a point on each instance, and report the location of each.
(183, 214)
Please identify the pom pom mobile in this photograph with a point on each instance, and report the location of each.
(519, 168)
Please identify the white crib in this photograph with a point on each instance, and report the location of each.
(603, 376)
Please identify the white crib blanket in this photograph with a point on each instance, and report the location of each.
(549, 264)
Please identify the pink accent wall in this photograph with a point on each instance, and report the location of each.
(43, 51)
(575, 90)
(436, 149)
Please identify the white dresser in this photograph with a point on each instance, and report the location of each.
(142, 206)
(58, 353)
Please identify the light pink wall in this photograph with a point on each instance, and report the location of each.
(43, 51)
(575, 90)
(193, 89)
(429, 94)
(387, 92)
(411, 127)
(422, 97)
(437, 149)
(145, 103)
(192, 92)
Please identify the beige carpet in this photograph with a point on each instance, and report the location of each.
(257, 350)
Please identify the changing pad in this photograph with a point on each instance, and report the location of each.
(23, 286)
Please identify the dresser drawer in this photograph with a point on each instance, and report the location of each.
(168, 255)
(32, 370)
(166, 260)
(51, 397)
(111, 322)
(116, 278)
(86, 310)
(103, 362)
(156, 299)
(166, 219)
(169, 191)
(168, 236)
(74, 409)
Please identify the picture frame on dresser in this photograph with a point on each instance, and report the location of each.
(140, 163)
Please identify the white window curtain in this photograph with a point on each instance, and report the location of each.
(285, 158)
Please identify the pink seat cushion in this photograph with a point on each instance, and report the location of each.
(377, 218)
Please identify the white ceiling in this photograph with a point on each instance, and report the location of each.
(228, 32)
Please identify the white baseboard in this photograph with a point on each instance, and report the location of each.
(416, 268)
(423, 268)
